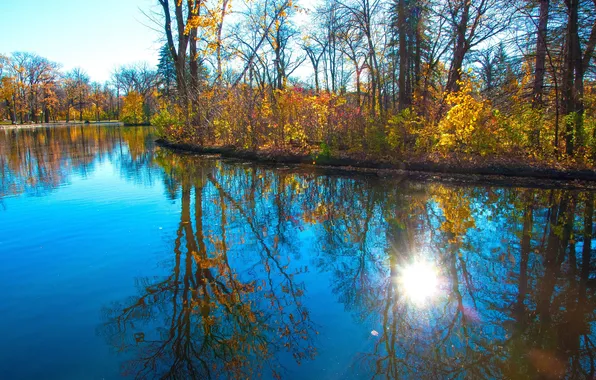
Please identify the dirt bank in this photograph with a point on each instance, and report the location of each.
(508, 173)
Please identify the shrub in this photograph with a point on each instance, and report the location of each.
(461, 130)
(167, 125)
(132, 108)
(403, 129)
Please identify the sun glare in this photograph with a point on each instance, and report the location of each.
(419, 281)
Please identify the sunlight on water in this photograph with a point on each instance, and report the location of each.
(419, 282)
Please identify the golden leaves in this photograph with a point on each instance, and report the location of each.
(456, 129)
(457, 213)
(132, 108)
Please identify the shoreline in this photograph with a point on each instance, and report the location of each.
(517, 174)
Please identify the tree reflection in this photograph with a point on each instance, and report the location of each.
(510, 309)
(230, 306)
(516, 269)
(515, 273)
(38, 160)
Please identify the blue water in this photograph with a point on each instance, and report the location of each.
(122, 259)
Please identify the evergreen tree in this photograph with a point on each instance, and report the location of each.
(166, 72)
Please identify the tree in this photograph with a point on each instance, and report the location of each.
(362, 14)
(541, 47)
(406, 34)
(97, 98)
(7, 88)
(576, 63)
(166, 72)
(132, 108)
(187, 17)
(315, 50)
(473, 22)
(77, 88)
(279, 38)
(141, 79)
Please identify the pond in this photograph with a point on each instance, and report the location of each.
(122, 259)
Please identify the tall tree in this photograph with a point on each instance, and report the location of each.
(473, 22)
(576, 63)
(540, 63)
(166, 71)
(80, 82)
(185, 50)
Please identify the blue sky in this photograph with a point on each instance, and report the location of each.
(94, 35)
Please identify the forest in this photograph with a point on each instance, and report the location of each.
(394, 80)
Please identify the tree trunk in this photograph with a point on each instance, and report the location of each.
(80, 107)
(404, 98)
(219, 41)
(316, 68)
(358, 92)
(573, 75)
(418, 53)
(11, 112)
(461, 47)
(278, 68)
(540, 69)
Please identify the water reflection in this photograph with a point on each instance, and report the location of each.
(504, 288)
(38, 160)
(232, 304)
(519, 263)
(453, 281)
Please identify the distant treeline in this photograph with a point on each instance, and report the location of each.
(36, 90)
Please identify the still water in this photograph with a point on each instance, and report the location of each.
(122, 259)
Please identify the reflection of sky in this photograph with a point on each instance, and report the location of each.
(64, 255)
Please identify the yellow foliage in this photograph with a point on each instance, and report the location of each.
(461, 123)
(457, 213)
(132, 108)
(403, 128)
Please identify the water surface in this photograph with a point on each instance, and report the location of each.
(122, 259)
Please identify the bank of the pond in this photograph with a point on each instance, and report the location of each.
(512, 172)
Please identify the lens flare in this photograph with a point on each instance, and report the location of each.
(419, 281)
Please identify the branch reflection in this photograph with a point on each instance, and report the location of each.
(231, 305)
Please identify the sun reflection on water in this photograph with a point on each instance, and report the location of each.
(419, 281)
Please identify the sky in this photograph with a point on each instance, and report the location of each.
(97, 36)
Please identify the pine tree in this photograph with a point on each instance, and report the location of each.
(166, 72)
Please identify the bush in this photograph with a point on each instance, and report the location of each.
(132, 108)
(167, 125)
(403, 129)
(463, 129)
